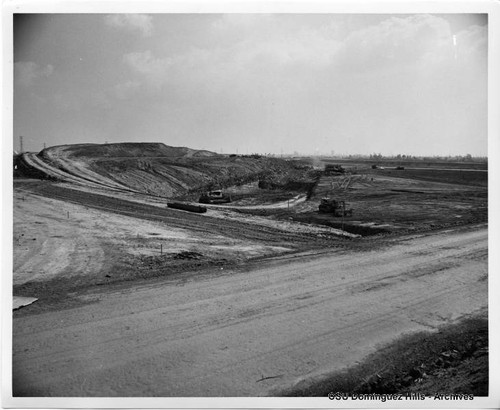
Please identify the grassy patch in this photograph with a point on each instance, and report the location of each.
(452, 360)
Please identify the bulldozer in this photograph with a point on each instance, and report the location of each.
(332, 206)
(331, 169)
(214, 197)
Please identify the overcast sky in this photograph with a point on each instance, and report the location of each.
(409, 84)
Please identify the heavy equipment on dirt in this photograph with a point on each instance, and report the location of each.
(214, 197)
(334, 207)
(187, 207)
(331, 169)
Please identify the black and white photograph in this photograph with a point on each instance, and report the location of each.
(272, 205)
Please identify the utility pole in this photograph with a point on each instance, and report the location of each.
(21, 143)
(343, 214)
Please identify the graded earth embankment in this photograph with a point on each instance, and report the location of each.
(154, 168)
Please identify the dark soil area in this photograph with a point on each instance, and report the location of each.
(386, 212)
(23, 170)
(453, 360)
(411, 163)
(390, 201)
(449, 176)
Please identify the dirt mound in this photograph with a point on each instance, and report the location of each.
(125, 149)
(156, 169)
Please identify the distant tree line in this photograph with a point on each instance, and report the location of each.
(400, 157)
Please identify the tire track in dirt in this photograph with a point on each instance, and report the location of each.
(179, 219)
(42, 248)
(249, 332)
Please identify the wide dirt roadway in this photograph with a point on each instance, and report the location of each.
(250, 332)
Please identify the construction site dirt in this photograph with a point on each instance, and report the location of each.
(250, 298)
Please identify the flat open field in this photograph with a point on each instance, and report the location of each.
(389, 201)
(252, 298)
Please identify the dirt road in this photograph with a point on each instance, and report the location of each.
(185, 220)
(250, 332)
(66, 245)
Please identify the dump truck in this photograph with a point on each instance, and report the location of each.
(214, 197)
(334, 207)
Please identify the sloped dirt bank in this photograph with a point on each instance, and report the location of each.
(160, 170)
(453, 360)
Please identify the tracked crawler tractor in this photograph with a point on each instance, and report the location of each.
(334, 207)
(214, 197)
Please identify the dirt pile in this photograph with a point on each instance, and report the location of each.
(129, 150)
(157, 169)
